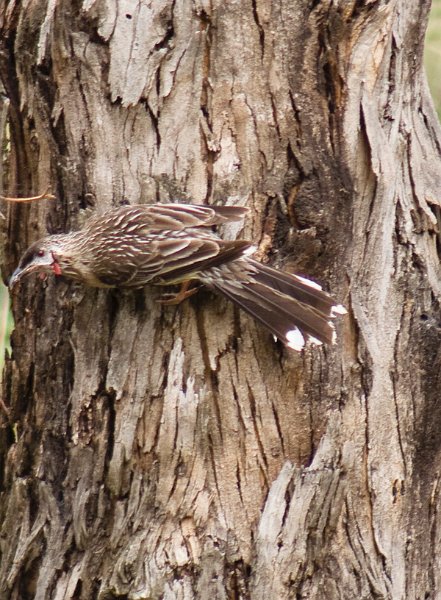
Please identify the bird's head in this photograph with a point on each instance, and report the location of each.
(44, 256)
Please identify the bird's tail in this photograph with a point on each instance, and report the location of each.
(294, 309)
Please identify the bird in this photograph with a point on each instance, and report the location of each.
(169, 244)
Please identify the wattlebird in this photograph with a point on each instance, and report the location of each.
(167, 244)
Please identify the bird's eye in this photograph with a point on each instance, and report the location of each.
(40, 253)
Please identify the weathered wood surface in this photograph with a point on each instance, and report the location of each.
(162, 452)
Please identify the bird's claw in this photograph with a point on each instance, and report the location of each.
(183, 294)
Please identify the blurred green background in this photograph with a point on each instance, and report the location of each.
(432, 59)
(432, 54)
(6, 324)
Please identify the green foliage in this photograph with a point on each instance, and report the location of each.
(6, 324)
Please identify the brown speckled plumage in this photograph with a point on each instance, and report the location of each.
(158, 244)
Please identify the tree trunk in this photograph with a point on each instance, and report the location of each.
(179, 452)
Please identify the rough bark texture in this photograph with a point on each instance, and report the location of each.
(161, 452)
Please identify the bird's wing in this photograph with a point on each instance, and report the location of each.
(162, 260)
(159, 243)
(164, 217)
(183, 216)
(200, 255)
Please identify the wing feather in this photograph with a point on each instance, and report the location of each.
(162, 244)
(148, 218)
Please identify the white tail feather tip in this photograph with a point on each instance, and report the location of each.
(250, 250)
(295, 339)
(308, 282)
(338, 309)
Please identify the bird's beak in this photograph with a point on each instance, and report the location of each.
(15, 277)
(19, 273)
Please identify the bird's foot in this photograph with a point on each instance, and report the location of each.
(184, 293)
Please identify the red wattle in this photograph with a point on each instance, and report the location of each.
(56, 268)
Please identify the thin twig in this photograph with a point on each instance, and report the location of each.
(44, 196)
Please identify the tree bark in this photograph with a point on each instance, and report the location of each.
(179, 452)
